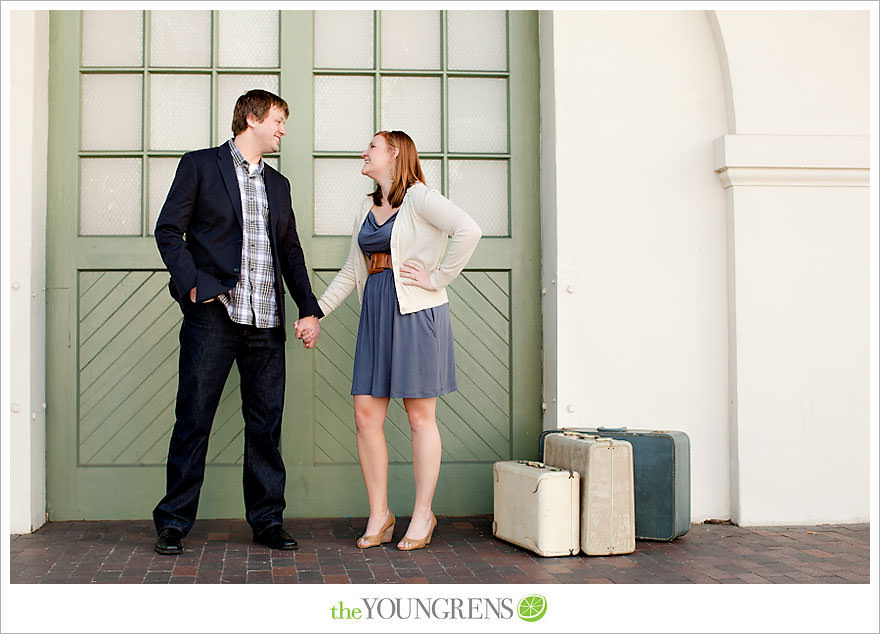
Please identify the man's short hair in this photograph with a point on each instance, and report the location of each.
(257, 103)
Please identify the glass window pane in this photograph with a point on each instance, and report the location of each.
(110, 196)
(273, 161)
(229, 89)
(411, 39)
(343, 39)
(112, 38)
(477, 40)
(249, 39)
(162, 171)
(111, 112)
(180, 112)
(343, 112)
(477, 114)
(480, 188)
(412, 104)
(180, 38)
(340, 189)
(433, 174)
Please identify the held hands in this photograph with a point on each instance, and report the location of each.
(414, 275)
(308, 329)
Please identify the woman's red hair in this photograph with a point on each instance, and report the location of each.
(407, 170)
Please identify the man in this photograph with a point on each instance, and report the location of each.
(228, 236)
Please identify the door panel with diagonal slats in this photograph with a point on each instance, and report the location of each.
(472, 112)
(128, 331)
(116, 135)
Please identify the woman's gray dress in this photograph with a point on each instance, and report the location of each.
(399, 356)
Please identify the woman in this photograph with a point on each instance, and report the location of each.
(404, 344)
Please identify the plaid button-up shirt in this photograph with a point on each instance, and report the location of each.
(252, 300)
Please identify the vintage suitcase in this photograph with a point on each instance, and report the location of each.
(607, 498)
(537, 507)
(661, 476)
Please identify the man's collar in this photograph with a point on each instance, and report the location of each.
(238, 157)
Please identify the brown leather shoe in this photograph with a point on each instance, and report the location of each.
(414, 544)
(382, 537)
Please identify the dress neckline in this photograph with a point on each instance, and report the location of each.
(387, 220)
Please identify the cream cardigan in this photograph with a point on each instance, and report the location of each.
(424, 221)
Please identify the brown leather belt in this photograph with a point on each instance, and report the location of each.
(379, 262)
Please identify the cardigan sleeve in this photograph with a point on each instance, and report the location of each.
(463, 231)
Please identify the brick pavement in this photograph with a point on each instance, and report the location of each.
(462, 550)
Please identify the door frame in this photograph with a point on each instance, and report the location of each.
(75, 491)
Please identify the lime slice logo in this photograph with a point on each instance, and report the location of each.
(532, 607)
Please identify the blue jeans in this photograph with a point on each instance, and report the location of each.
(209, 343)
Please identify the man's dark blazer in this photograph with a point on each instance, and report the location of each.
(199, 231)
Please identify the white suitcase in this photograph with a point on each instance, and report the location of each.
(607, 492)
(537, 507)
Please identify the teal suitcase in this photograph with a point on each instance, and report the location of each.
(661, 478)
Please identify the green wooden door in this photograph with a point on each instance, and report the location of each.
(141, 88)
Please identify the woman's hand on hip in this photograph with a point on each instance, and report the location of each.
(414, 274)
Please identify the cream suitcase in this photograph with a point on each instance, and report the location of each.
(537, 507)
(607, 492)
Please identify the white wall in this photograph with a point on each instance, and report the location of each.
(802, 354)
(28, 89)
(734, 309)
(796, 167)
(634, 233)
(796, 72)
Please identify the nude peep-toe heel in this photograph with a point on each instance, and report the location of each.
(414, 544)
(382, 537)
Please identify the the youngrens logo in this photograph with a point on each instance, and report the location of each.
(530, 608)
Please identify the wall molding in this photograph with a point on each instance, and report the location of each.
(792, 160)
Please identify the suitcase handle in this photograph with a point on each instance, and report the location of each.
(537, 465)
(577, 434)
(611, 429)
